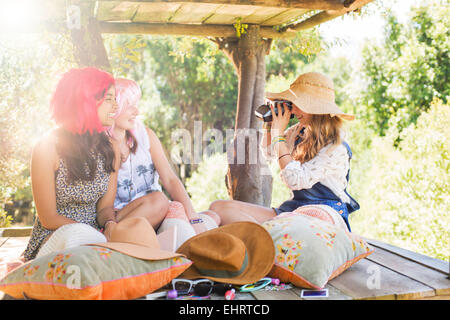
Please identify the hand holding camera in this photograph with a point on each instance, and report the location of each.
(269, 112)
(265, 111)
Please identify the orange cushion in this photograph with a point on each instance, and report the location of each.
(90, 273)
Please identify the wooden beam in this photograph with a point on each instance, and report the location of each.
(325, 16)
(289, 4)
(203, 30)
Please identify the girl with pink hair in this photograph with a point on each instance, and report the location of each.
(74, 167)
(143, 164)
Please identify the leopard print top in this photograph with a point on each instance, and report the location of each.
(76, 201)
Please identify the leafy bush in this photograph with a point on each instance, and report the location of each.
(404, 195)
(408, 70)
(207, 183)
(5, 220)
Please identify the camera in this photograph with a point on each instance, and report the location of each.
(264, 113)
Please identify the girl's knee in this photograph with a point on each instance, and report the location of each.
(218, 206)
(213, 216)
(156, 199)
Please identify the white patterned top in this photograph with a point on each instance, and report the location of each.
(137, 175)
(329, 167)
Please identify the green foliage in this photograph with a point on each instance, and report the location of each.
(29, 67)
(404, 196)
(287, 55)
(241, 28)
(183, 80)
(207, 183)
(5, 220)
(409, 70)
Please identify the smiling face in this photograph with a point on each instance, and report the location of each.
(303, 117)
(127, 118)
(108, 108)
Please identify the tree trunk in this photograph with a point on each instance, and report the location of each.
(89, 50)
(248, 177)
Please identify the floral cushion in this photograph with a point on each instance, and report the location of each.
(311, 251)
(90, 273)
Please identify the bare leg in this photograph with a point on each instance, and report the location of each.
(231, 211)
(152, 206)
(213, 216)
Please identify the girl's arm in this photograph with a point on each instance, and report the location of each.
(169, 179)
(44, 163)
(105, 206)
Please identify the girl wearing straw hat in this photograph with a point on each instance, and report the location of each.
(313, 157)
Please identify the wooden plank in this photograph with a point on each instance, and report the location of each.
(238, 296)
(430, 262)
(357, 282)
(276, 295)
(436, 298)
(12, 248)
(190, 13)
(116, 11)
(432, 278)
(304, 4)
(185, 29)
(262, 14)
(333, 294)
(325, 16)
(285, 17)
(228, 14)
(156, 12)
(16, 232)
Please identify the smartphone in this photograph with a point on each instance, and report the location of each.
(314, 293)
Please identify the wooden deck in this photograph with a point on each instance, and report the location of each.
(390, 273)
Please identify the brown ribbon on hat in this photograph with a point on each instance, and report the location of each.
(225, 273)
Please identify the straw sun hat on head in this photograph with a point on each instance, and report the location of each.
(313, 93)
(238, 253)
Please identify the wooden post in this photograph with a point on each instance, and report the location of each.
(89, 50)
(248, 178)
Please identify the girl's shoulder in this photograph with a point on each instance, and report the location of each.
(45, 148)
(334, 150)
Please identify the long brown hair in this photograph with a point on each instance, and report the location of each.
(321, 130)
(81, 151)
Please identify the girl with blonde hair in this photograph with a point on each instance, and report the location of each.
(313, 157)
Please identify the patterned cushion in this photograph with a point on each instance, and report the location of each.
(311, 251)
(90, 273)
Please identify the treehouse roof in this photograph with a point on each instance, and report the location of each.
(215, 18)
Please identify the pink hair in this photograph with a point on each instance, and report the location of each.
(128, 94)
(77, 97)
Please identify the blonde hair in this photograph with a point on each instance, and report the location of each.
(321, 130)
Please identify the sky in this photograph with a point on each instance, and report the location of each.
(354, 31)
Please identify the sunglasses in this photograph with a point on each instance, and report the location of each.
(201, 287)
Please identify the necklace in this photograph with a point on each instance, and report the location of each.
(131, 174)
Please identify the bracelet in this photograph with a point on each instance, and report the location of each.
(195, 221)
(287, 154)
(279, 138)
